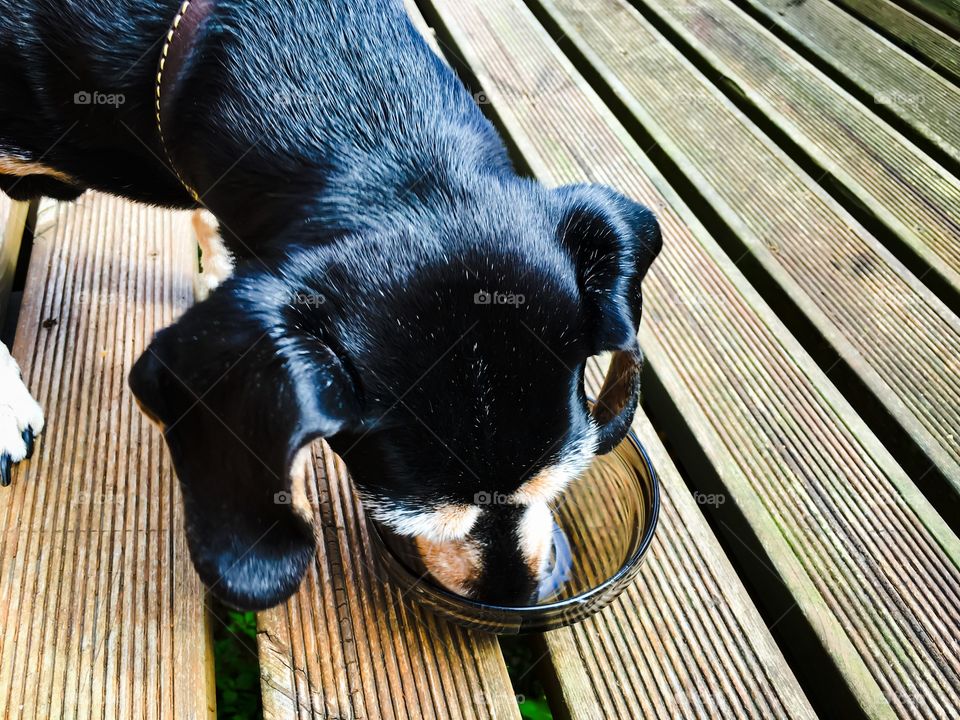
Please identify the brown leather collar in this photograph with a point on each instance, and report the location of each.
(177, 46)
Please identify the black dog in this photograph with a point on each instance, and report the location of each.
(399, 290)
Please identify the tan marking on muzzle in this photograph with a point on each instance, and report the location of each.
(542, 487)
(454, 520)
(455, 564)
(448, 521)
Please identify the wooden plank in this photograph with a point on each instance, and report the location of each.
(884, 335)
(685, 639)
(688, 596)
(945, 13)
(915, 200)
(886, 78)
(101, 613)
(351, 645)
(870, 571)
(933, 48)
(13, 219)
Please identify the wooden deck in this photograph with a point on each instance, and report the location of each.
(803, 339)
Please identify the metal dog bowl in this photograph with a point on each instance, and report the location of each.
(604, 523)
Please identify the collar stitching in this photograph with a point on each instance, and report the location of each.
(163, 59)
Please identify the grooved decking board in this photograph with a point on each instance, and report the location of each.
(684, 640)
(351, 645)
(916, 95)
(916, 198)
(888, 328)
(872, 568)
(628, 659)
(13, 217)
(936, 49)
(946, 12)
(687, 597)
(101, 613)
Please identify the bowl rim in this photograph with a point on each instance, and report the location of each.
(628, 567)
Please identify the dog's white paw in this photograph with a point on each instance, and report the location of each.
(21, 418)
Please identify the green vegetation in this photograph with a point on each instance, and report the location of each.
(237, 668)
(521, 664)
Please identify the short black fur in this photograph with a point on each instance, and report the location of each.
(400, 291)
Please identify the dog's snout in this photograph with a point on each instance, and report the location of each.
(508, 589)
(473, 570)
(454, 564)
(535, 533)
(501, 562)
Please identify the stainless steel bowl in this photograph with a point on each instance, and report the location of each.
(604, 523)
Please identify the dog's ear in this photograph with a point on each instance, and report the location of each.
(613, 241)
(239, 393)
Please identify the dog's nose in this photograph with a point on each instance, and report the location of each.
(508, 587)
(521, 598)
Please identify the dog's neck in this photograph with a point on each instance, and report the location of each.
(364, 124)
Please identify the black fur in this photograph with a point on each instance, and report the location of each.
(369, 201)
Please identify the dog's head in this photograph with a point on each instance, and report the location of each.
(443, 360)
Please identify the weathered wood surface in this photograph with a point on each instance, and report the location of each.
(933, 48)
(884, 75)
(870, 569)
(13, 217)
(631, 658)
(894, 182)
(101, 613)
(945, 13)
(870, 319)
(351, 645)
(684, 640)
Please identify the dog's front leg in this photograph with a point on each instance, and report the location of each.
(216, 260)
(21, 418)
